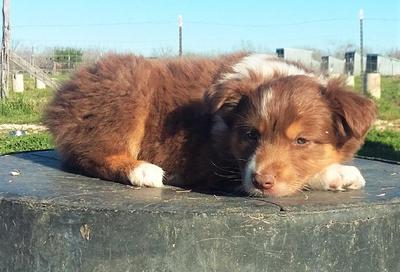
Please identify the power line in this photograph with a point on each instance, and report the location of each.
(383, 19)
(269, 25)
(90, 41)
(286, 24)
(199, 23)
(93, 24)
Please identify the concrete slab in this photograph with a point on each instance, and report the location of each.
(51, 220)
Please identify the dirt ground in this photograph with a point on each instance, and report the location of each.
(31, 128)
(384, 124)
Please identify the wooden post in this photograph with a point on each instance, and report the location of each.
(33, 56)
(5, 51)
(180, 24)
(32, 61)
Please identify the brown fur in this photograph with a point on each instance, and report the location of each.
(333, 119)
(111, 117)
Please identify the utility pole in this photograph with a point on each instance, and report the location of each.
(33, 56)
(32, 60)
(180, 24)
(363, 78)
(5, 51)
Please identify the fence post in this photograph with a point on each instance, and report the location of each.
(180, 25)
(374, 84)
(5, 57)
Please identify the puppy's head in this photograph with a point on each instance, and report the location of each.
(283, 131)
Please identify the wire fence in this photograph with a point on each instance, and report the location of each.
(56, 60)
(158, 38)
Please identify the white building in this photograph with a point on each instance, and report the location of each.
(353, 63)
(386, 66)
(331, 65)
(299, 55)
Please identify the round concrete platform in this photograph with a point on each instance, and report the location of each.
(51, 220)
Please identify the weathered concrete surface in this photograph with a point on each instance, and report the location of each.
(56, 221)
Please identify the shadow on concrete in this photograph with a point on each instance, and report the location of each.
(379, 150)
(47, 157)
(50, 158)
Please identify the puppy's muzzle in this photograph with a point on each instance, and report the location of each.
(263, 182)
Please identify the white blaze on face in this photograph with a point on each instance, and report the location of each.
(265, 101)
(248, 173)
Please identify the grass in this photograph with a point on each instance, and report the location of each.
(389, 104)
(24, 108)
(27, 107)
(383, 144)
(29, 142)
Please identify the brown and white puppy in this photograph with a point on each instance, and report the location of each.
(249, 122)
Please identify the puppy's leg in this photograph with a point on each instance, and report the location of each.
(122, 168)
(337, 177)
(135, 172)
(146, 174)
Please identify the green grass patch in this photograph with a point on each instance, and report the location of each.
(383, 144)
(24, 108)
(29, 142)
(389, 104)
(61, 77)
(27, 107)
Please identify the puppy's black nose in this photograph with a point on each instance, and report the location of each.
(263, 182)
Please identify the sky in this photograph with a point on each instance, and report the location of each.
(150, 27)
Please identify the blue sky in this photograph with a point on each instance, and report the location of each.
(210, 26)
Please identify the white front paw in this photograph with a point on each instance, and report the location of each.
(338, 178)
(147, 174)
(351, 177)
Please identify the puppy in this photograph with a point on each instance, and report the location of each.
(251, 123)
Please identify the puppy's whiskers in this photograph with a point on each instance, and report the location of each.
(226, 169)
(225, 176)
(244, 160)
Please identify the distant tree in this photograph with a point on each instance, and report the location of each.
(394, 53)
(164, 52)
(92, 55)
(339, 51)
(316, 53)
(247, 46)
(250, 46)
(67, 58)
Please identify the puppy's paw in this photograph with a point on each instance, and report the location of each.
(147, 174)
(351, 177)
(338, 178)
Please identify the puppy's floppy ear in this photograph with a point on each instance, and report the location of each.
(223, 97)
(352, 115)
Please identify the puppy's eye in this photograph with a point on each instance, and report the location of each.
(301, 141)
(252, 135)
